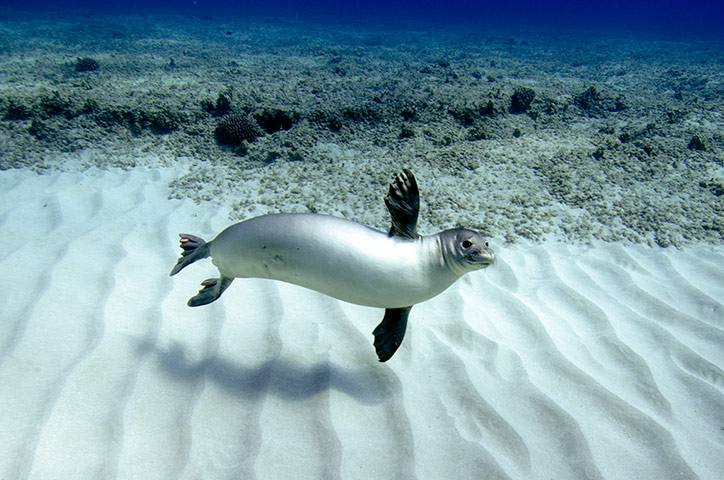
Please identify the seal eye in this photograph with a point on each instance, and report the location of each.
(467, 244)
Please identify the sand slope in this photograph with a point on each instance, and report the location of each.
(559, 362)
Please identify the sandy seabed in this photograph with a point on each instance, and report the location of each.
(560, 361)
(587, 351)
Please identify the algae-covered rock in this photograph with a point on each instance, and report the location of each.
(521, 100)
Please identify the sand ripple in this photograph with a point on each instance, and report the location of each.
(559, 362)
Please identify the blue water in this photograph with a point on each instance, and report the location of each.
(664, 18)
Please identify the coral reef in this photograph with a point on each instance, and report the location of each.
(233, 129)
(86, 64)
(696, 143)
(274, 120)
(595, 103)
(340, 102)
(157, 120)
(521, 99)
(218, 109)
(15, 110)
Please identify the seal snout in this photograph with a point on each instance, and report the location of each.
(469, 248)
(484, 257)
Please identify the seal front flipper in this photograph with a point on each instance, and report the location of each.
(194, 249)
(390, 332)
(213, 288)
(403, 202)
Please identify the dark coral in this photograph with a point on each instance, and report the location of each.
(464, 114)
(161, 121)
(233, 129)
(86, 64)
(488, 109)
(406, 132)
(468, 114)
(274, 120)
(334, 123)
(696, 143)
(713, 186)
(39, 130)
(589, 100)
(363, 112)
(15, 110)
(479, 131)
(54, 104)
(521, 99)
(221, 107)
(158, 121)
(593, 102)
(408, 113)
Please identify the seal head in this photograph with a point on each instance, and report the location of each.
(465, 250)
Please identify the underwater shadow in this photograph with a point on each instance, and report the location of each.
(277, 377)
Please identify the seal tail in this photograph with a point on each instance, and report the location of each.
(194, 249)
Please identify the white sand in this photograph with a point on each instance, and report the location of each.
(559, 362)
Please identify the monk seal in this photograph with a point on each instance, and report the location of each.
(344, 259)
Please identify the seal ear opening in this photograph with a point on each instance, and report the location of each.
(194, 248)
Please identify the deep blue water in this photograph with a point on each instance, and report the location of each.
(667, 18)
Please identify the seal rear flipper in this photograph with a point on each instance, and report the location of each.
(213, 288)
(194, 248)
(403, 202)
(390, 332)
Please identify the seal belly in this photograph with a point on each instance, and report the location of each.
(337, 257)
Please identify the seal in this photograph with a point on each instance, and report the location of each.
(344, 259)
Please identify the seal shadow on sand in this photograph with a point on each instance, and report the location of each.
(279, 377)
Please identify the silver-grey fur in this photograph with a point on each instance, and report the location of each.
(345, 259)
